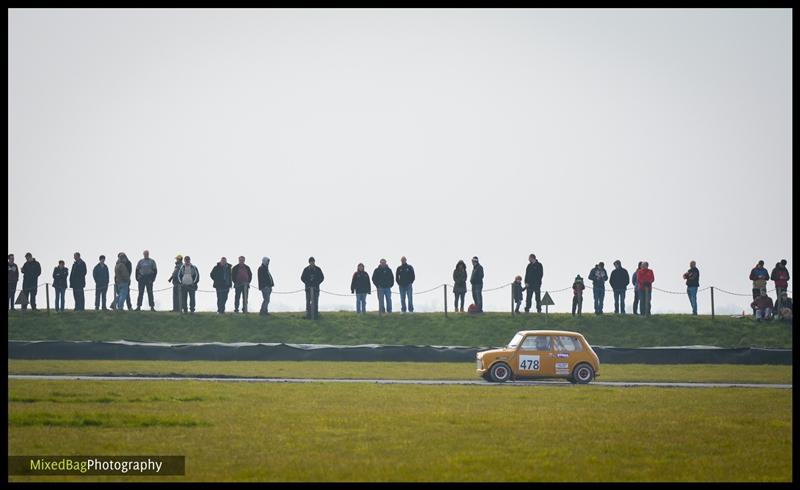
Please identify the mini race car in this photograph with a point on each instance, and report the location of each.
(533, 354)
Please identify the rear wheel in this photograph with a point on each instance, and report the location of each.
(583, 373)
(500, 372)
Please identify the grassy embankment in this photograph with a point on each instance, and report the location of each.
(491, 329)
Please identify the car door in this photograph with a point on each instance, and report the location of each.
(535, 357)
(568, 352)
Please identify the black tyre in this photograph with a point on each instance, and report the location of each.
(583, 373)
(500, 372)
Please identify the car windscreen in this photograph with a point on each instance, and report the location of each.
(515, 341)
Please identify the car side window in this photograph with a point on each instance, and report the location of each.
(564, 343)
(537, 342)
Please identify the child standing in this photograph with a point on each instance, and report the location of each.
(516, 292)
(577, 292)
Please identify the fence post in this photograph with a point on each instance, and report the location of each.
(47, 296)
(712, 302)
(445, 300)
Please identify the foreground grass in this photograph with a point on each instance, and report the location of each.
(719, 373)
(334, 432)
(490, 329)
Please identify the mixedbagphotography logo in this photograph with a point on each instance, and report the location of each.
(96, 465)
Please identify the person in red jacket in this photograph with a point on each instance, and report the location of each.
(644, 281)
(780, 275)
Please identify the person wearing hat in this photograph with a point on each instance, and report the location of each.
(619, 281)
(312, 277)
(176, 284)
(598, 276)
(476, 280)
(577, 294)
(780, 275)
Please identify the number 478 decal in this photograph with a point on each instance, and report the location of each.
(529, 363)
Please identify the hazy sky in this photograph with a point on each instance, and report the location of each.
(352, 135)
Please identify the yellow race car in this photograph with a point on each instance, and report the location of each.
(533, 354)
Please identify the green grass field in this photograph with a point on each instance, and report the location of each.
(334, 432)
(491, 329)
(712, 373)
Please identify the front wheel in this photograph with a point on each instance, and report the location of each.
(500, 372)
(583, 373)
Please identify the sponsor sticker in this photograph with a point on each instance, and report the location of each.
(562, 365)
(562, 371)
(562, 355)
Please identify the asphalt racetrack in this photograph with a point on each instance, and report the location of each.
(624, 384)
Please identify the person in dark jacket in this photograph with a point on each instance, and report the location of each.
(692, 277)
(405, 280)
(759, 276)
(176, 284)
(361, 287)
(780, 275)
(128, 265)
(60, 274)
(77, 281)
(242, 277)
(635, 284)
(619, 281)
(13, 279)
(577, 295)
(476, 280)
(763, 307)
(101, 279)
(460, 284)
(533, 283)
(223, 279)
(598, 276)
(312, 277)
(516, 293)
(383, 279)
(265, 285)
(146, 272)
(31, 270)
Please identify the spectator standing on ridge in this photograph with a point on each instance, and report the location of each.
(692, 277)
(13, 279)
(146, 272)
(101, 279)
(759, 276)
(460, 284)
(31, 270)
(619, 281)
(780, 275)
(598, 276)
(383, 279)
(645, 279)
(405, 280)
(223, 279)
(77, 281)
(265, 285)
(635, 284)
(188, 277)
(516, 292)
(533, 283)
(176, 284)
(361, 287)
(122, 280)
(577, 294)
(763, 306)
(129, 266)
(60, 274)
(312, 277)
(476, 280)
(242, 277)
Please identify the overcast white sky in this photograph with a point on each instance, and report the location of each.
(352, 135)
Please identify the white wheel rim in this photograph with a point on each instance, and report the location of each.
(500, 372)
(583, 374)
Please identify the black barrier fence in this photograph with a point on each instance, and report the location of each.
(243, 351)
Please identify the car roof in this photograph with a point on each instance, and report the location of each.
(549, 332)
